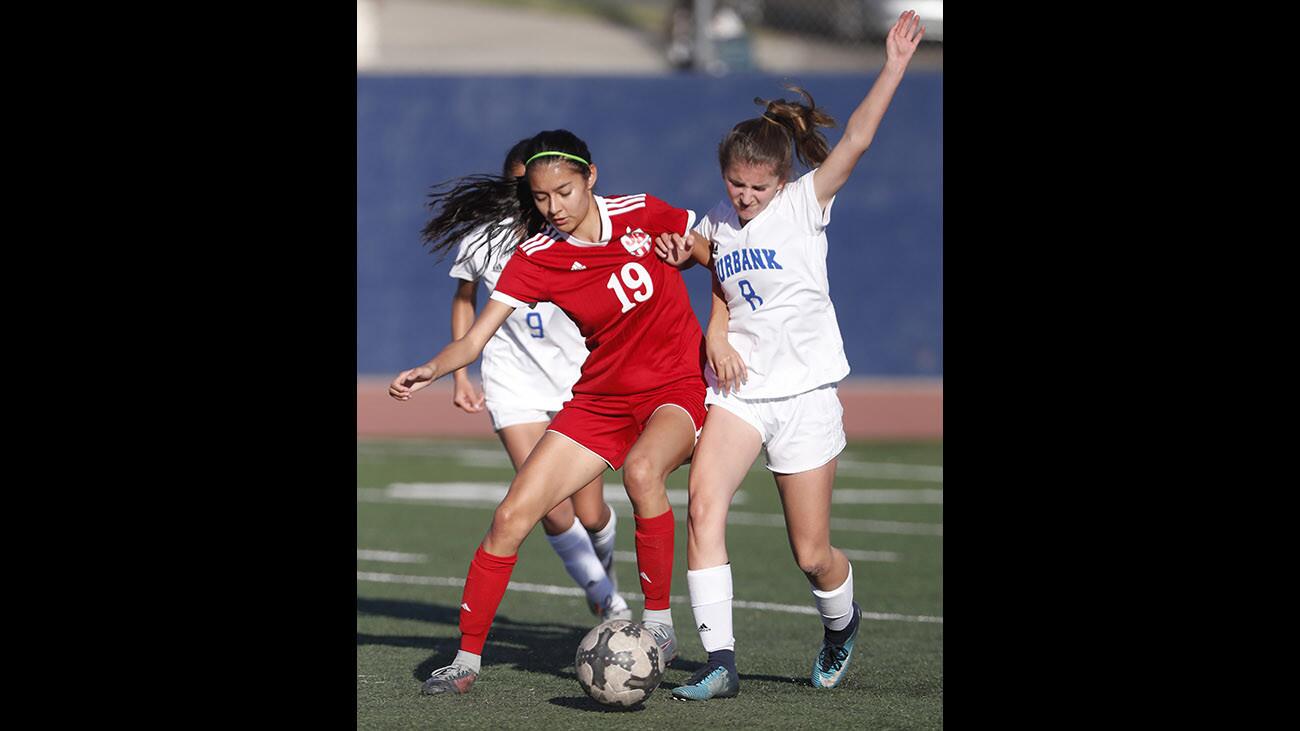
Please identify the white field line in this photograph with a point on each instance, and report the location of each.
(771, 520)
(776, 520)
(856, 555)
(479, 456)
(390, 556)
(881, 556)
(574, 591)
(890, 471)
(495, 492)
(887, 497)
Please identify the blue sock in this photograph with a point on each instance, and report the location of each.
(839, 637)
(725, 658)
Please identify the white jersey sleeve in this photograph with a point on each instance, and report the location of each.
(471, 257)
(804, 205)
(535, 357)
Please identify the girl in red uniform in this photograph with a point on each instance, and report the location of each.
(639, 403)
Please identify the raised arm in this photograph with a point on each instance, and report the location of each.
(458, 354)
(466, 395)
(900, 44)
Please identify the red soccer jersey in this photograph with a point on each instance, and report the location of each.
(629, 305)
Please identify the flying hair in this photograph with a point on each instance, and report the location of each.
(785, 129)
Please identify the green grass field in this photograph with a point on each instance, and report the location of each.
(416, 536)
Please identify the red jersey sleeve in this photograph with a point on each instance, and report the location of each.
(522, 283)
(663, 218)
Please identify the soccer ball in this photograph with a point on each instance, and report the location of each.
(618, 663)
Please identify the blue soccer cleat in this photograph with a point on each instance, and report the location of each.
(714, 680)
(833, 660)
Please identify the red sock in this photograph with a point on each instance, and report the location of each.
(654, 557)
(484, 587)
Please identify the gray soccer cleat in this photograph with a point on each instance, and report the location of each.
(451, 679)
(665, 637)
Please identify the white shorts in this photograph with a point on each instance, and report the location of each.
(800, 433)
(504, 416)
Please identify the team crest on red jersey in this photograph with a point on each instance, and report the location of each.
(636, 242)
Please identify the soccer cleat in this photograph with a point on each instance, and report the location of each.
(451, 679)
(614, 607)
(714, 680)
(833, 659)
(665, 637)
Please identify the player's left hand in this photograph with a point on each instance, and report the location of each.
(904, 37)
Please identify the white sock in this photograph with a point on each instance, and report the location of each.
(836, 605)
(602, 541)
(664, 616)
(574, 548)
(711, 601)
(468, 660)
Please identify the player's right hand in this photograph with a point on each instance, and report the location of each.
(727, 365)
(409, 381)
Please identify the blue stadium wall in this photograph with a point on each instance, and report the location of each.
(658, 135)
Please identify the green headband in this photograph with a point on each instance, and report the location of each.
(561, 154)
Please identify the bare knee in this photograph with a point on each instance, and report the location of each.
(814, 562)
(510, 525)
(641, 478)
(706, 512)
(594, 519)
(555, 526)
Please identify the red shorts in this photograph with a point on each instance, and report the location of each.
(610, 425)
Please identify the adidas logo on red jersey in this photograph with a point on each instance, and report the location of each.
(576, 267)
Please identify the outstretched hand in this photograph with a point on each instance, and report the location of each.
(904, 37)
(409, 381)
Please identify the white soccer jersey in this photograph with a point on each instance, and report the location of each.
(534, 358)
(773, 273)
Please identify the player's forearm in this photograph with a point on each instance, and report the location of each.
(701, 250)
(861, 128)
(462, 316)
(458, 354)
(719, 315)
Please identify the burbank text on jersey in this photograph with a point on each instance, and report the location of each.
(743, 260)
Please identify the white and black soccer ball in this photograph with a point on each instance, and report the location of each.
(618, 663)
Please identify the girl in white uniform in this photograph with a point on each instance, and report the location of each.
(529, 366)
(775, 358)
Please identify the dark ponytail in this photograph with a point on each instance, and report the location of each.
(472, 202)
(769, 139)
